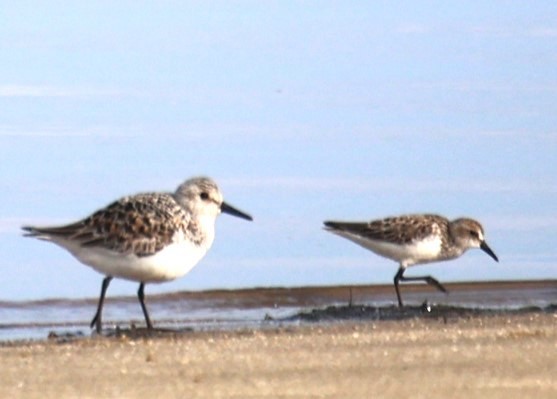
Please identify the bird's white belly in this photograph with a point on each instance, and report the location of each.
(168, 264)
(408, 254)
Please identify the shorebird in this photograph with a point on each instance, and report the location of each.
(413, 240)
(147, 238)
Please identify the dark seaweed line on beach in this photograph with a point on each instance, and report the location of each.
(384, 313)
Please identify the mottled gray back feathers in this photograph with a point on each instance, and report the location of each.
(142, 224)
(397, 230)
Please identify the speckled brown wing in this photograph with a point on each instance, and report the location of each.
(398, 230)
(142, 224)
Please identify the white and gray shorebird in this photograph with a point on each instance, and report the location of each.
(147, 238)
(413, 240)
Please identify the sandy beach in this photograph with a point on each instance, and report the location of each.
(483, 356)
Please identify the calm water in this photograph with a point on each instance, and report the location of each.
(256, 308)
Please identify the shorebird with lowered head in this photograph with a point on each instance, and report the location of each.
(414, 240)
(147, 238)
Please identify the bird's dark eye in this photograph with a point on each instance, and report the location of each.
(474, 233)
(204, 196)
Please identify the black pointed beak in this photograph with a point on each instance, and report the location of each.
(488, 251)
(234, 212)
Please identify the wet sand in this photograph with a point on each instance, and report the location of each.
(487, 356)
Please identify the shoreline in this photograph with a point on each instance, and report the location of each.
(258, 307)
(480, 356)
(300, 291)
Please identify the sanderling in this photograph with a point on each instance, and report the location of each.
(415, 239)
(148, 238)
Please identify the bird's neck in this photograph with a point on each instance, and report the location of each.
(452, 248)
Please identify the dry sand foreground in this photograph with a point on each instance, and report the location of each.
(481, 357)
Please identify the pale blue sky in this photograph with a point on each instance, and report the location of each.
(302, 111)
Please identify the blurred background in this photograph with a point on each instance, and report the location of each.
(301, 111)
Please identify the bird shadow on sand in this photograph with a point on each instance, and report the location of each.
(131, 333)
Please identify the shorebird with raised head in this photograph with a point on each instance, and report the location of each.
(413, 240)
(147, 238)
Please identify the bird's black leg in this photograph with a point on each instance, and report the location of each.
(398, 277)
(428, 279)
(97, 319)
(431, 281)
(141, 297)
